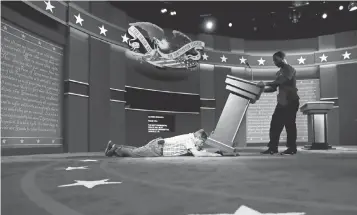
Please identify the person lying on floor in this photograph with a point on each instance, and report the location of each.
(182, 145)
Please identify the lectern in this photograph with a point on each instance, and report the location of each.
(242, 93)
(317, 124)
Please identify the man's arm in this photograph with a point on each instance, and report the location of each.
(286, 74)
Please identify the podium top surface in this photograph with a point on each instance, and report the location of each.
(320, 106)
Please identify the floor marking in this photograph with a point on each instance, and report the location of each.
(244, 210)
(321, 205)
(89, 184)
(78, 167)
(89, 160)
(42, 200)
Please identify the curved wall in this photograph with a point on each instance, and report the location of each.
(95, 61)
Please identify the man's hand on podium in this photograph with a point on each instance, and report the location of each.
(261, 84)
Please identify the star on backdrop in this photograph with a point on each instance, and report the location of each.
(89, 160)
(53, 141)
(244, 210)
(301, 60)
(346, 55)
(89, 184)
(261, 61)
(242, 60)
(39, 42)
(323, 58)
(79, 19)
(78, 167)
(125, 38)
(103, 30)
(205, 56)
(5, 27)
(38, 141)
(49, 6)
(22, 141)
(224, 59)
(23, 36)
(4, 141)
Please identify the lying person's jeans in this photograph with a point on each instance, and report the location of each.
(152, 149)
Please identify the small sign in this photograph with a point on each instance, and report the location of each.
(159, 123)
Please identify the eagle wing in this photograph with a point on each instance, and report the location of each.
(176, 33)
(152, 29)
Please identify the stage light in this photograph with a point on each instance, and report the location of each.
(230, 24)
(173, 13)
(163, 10)
(340, 8)
(255, 28)
(324, 16)
(352, 6)
(209, 25)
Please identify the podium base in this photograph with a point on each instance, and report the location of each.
(318, 146)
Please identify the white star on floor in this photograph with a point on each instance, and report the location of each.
(49, 6)
(89, 184)
(103, 30)
(205, 57)
(125, 39)
(323, 58)
(244, 210)
(79, 19)
(88, 160)
(78, 167)
(261, 61)
(301, 60)
(224, 59)
(242, 60)
(346, 55)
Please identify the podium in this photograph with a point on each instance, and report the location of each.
(242, 93)
(317, 124)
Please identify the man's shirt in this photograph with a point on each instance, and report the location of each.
(179, 145)
(286, 81)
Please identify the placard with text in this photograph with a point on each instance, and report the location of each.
(159, 123)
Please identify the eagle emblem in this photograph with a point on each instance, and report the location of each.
(153, 45)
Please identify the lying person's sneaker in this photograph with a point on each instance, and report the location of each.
(289, 151)
(269, 151)
(109, 146)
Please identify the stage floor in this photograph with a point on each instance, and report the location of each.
(314, 183)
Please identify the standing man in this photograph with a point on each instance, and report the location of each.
(286, 108)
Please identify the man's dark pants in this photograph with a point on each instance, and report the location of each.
(284, 116)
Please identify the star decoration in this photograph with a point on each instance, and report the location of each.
(23, 36)
(301, 60)
(261, 61)
(205, 56)
(88, 160)
(242, 60)
(244, 210)
(79, 19)
(346, 55)
(39, 42)
(5, 27)
(38, 141)
(103, 30)
(53, 141)
(224, 59)
(49, 6)
(54, 48)
(4, 141)
(22, 141)
(89, 184)
(125, 39)
(73, 168)
(323, 58)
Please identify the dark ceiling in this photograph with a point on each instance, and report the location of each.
(271, 19)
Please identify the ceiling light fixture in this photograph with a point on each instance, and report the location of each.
(230, 24)
(324, 16)
(164, 10)
(295, 16)
(341, 7)
(352, 6)
(173, 13)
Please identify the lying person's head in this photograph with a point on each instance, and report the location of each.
(201, 137)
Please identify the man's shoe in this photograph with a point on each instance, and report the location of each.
(289, 151)
(269, 151)
(109, 146)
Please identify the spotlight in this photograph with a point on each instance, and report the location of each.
(230, 24)
(295, 16)
(340, 8)
(255, 28)
(163, 10)
(173, 13)
(324, 16)
(209, 25)
(352, 6)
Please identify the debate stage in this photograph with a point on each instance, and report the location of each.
(314, 182)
